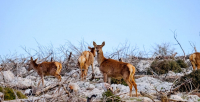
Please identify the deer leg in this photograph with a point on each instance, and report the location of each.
(82, 74)
(109, 80)
(105, 77)
(92, 70)
(198, 66)
(135, 86)
(58, 76)
(85, 73)
(193, 65)
(43, 81)
(39, 82)
(129, 84)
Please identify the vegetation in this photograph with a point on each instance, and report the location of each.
(110, 97)
(10, 95)
(20, 95)
(195, 78)
(118, 81)
(181, 63)
(162, 67)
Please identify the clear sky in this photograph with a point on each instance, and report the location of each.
(140, 22)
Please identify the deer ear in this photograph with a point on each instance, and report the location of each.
(103, 43)
(94, 44)
(35, 60)
(31, 59)
(89, 47)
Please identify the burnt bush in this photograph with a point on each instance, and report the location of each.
(189, 81)
(162, 67)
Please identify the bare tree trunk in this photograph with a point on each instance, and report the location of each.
(175, 35)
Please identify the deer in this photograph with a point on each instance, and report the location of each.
(195, 60)
(85, 60)
(115, 69)
(45, 69)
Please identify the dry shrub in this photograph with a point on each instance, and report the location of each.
(194, 76)
(181, 63)
(10, 95)
(118, 81)
(108, 96)
(162, 67)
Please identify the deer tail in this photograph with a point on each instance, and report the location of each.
(81, 61)
(132, 72)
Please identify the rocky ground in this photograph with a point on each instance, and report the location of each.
(151, 88)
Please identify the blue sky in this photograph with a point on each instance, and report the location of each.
(143, 23)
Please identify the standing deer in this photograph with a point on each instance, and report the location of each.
(195, 60)
(116, 69)
(85, 60)
(46, 68)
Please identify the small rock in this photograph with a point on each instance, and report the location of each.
(171, 73)
(106, 86)
(1, 95)
(91, 87)
(8, 76)
(21, 82)
(98, 86)
(28, 92)
(20, 71)
(146, 99)
(86, 84)
(74, 87)
(176, 97)
(100, 81)
(192, 98)
(95, 91)
(143, 65)
(31, 77)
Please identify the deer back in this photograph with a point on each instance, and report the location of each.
(114, 68)
(195, 57)
(89, 57)
(49, 68)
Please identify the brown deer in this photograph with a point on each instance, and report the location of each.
(85, 60)
(46, 68)
(195, 60)
(116, 69)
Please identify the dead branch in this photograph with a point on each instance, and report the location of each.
(175, 35)
(67, 64)
(147, 95)
(38, 92)
(193, 45)
(186, 81)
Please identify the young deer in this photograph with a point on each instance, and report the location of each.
(46, 68)
(116, 69)
(195, 60)
(85, 60)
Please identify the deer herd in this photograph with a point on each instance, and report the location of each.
(108, 67)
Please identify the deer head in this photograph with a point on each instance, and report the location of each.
(99, 47)
(92, 50)
(32, 64)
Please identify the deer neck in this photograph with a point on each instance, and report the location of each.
(92, 53)
(100, 58)
(35, 66)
